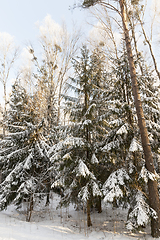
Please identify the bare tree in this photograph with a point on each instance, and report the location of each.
(58, 47)
(103, 32)
(150, 46)
(26, 70)
(137, 14)
(8, 55)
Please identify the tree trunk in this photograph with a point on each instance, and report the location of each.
(152, 185)
(48, 192)
(30, 209)
(89, 223)
(98, 204)
(4, 113)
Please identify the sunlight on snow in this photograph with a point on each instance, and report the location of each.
(59, 229)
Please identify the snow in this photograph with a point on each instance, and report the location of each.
(96, 190)
(66, 157)
(82, 169)
(116, 192)
(69, 141)
(135, 146)
(87, 122)
(111, 187)
(141, 212)
(58, 183)
(122, 130)
(94, 159)
(90, 108)
(116, 178)
(145, 174)
(84, 194)
(116, 122)
(27, 164)
(50, 223)
(9, 178)
(111, 145)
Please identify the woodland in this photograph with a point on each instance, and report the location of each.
(83, 116)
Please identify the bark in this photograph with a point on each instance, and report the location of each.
(50, 102)
(48, 192)
(87, 132)
(30, 209)
(0, 176)
(135, 41)
(4, 113)
(129, 113)
(61, 83)
(98, 204)
(89, 223)
(152, 185)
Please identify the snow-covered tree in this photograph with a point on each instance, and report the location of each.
(23, 154)
(123, 145)
(77, 155)
(20, 109)
(151, 108)
(24, 165)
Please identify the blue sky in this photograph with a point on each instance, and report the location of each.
(18, 18)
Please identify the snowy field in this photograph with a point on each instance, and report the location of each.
(50, 223)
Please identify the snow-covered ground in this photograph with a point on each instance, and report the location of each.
(50, 223)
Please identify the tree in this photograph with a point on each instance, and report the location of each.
(24, 161)
(20, 109)
(152, 183)
(138, 14)
(8, 55)
(77, 155)
(123, 141)
(58, 48)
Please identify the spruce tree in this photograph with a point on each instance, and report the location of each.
(77, 155)
(123, 143)
(20, 108)
(24, 161)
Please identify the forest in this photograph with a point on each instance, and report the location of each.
(83, 116)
